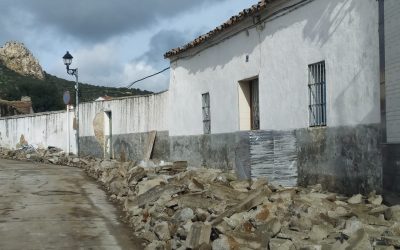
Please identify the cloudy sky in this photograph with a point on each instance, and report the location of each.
(114, 42)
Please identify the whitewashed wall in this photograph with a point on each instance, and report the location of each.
(392, 48)
(129, 115)
(40, 130)
(343, 33)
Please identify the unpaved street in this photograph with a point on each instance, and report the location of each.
(54, 207)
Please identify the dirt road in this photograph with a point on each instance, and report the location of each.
(54, 207)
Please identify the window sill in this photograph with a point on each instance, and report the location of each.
(318, 127)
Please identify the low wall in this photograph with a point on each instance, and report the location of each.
(130, 115)
(41, 130)
(126, 122)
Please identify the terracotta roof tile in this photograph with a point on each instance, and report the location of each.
(232, 21)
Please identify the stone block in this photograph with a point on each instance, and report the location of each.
(199, 234)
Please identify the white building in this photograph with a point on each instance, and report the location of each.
(303, 78)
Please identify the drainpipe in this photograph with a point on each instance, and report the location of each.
(382, 82)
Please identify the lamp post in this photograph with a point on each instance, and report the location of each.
(74, 72)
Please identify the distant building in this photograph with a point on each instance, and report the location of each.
(11, 108)
(103, 98)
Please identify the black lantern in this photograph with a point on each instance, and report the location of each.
(67, 59)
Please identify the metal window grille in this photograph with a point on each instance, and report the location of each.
(206, 113)
(317, 94)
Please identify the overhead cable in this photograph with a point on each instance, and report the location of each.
(144, 78)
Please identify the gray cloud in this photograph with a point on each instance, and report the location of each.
(114, 41)
(161, 42)
(96, 20)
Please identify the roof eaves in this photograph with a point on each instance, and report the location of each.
(232, 21)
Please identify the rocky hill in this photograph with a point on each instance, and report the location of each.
(22, 75)
(17, 57)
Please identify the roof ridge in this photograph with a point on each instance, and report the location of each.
(230, 22)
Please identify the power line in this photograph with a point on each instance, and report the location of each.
(144, 78)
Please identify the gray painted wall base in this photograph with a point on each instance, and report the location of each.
(128, 146)
(345, 159)
(213, 151)
(391, 170)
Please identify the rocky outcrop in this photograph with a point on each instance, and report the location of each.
(17, 57)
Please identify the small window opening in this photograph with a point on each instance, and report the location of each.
(206, 113)
(317, 94)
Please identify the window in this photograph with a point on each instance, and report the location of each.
(206, 113)
(317, 94)
(249, 114)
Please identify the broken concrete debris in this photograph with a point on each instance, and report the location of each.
(172, 206)
(199, 235)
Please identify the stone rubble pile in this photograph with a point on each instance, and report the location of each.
(172, 206)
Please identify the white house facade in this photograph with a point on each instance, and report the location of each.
(344, 34)
(293, 92)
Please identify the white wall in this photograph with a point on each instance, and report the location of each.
(41, 130)
(392, 49)
(344, 33)
(129, 115)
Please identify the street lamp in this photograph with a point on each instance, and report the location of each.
(67, 58)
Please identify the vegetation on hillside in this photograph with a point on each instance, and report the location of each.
(47, 94)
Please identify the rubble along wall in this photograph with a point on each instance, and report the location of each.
(251, 154)
(344, 159)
